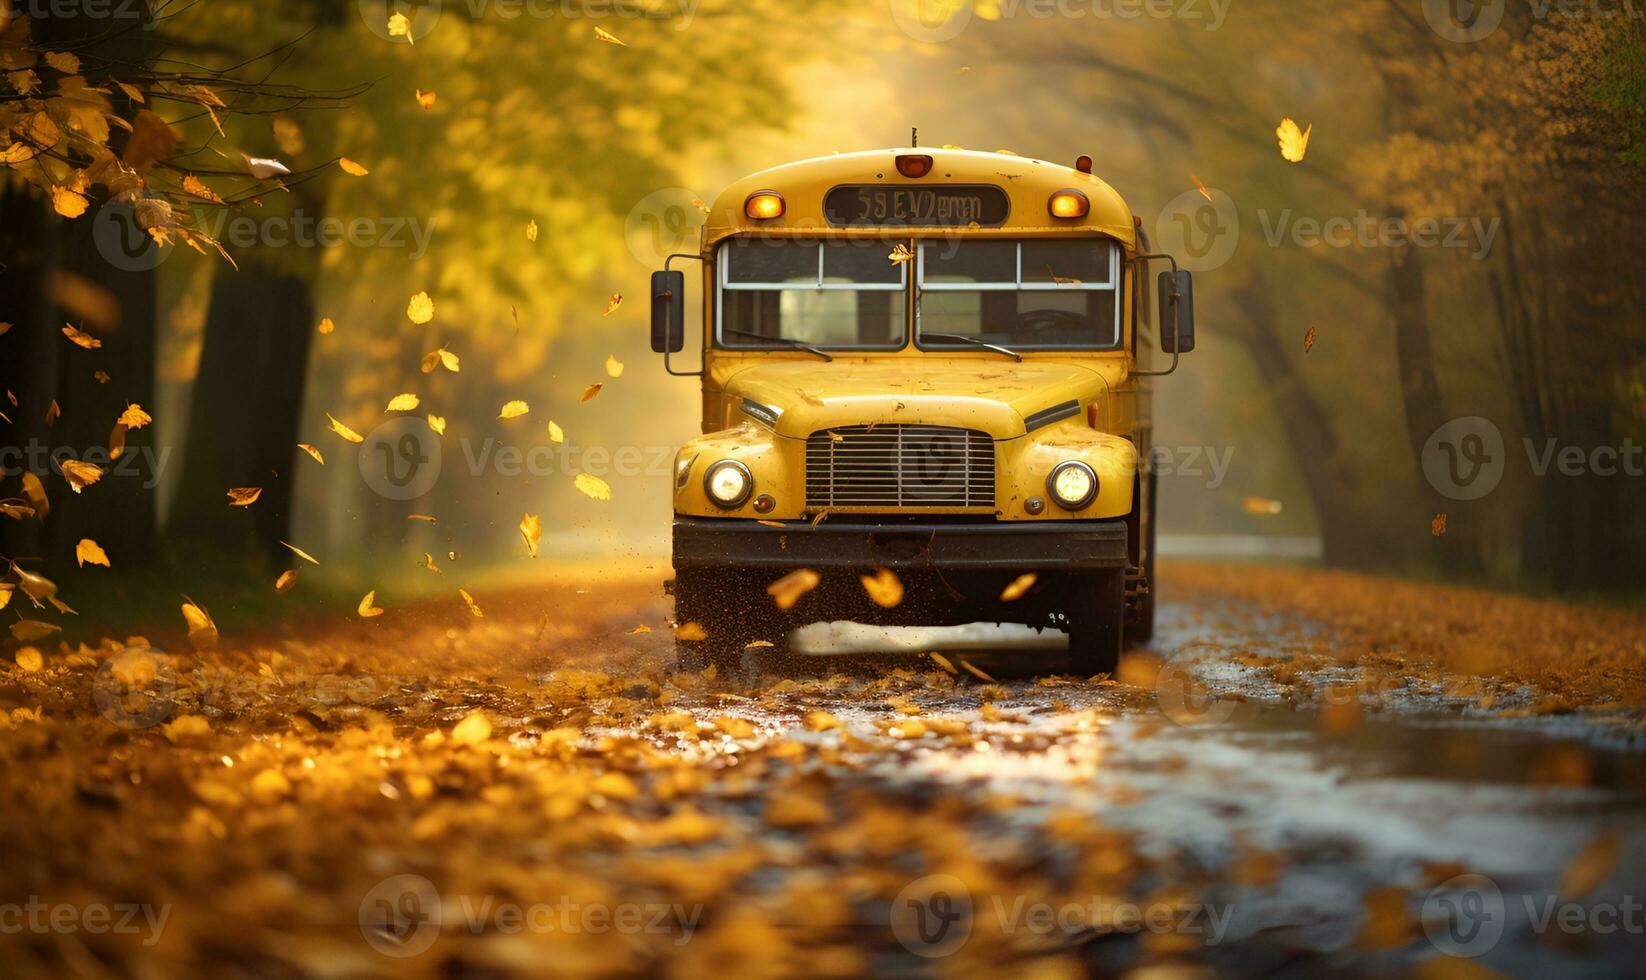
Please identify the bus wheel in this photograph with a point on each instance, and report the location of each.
(1097, 616)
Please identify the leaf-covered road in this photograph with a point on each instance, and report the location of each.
(538, 791)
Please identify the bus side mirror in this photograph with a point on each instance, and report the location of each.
(1176, 306)
(668, 312)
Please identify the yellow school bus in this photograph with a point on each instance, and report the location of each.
(927, 362)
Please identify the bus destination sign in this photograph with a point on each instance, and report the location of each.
(904, 206)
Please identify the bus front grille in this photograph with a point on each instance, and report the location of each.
(898, 466)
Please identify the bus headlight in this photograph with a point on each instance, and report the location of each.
(728, 483)
(1072, 484)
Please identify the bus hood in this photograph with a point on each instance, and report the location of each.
(797, 398)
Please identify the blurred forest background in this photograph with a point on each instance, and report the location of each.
(529, 162)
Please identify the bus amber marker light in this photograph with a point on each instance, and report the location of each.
(914, 165)
(764, 205)
(1068, 204)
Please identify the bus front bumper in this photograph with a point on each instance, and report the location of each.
(1030, 546)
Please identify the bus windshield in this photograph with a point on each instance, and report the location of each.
(838, 294)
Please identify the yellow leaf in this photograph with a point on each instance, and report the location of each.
(53, 412)
(883, 587)
(326, 325)
(513, 410)
(69, 204)
(134, 417)
(613, 304)
(195, 186)
(556, 434)
(406, 402)
(1261, 506)
(818, 720)
(81, 338)
(614, 367)
(690, 632)
(787, 590)
(425, 518)
(202, 631)
(35, 492)
(244, 496)
(89, 551)
(590, 392)
(28, 630)
(900, 254)
(351, 168)
(80, 474)
(1294, 142)
(344, 430)
(593, 486)
(437, 423)
(366, 609)
(399, 26)
(531, 230)
(29, 659)
(1018, 586)
(299, 552)
(420, 309)
(425, 99)
(101, 376)
(531, 528)
(1309, 340)
(1592, 866)
(312, 451)
(474, 729)
(64, 62)
(440, 358)
(287, 579)
(469, 601)
(607, 36)
(638, 630)
(1437, 527)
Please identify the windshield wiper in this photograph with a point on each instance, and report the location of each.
(1014, 355)
(797, 345)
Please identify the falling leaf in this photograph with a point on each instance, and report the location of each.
(469, 601)
(63, 61)
(690, 632)
(531, 528)
(614, 367)
(80, 474)
(440, 358)
(1437, 527)
(351, 168)
(787, 590)
(943, 662)
(326, 325)
(29, 660)
(613, 304)
(29, 630)
(474, 729)
(134, 417)
(428, 563)
(513, 409)
(593, 487)
(531, 230)
(1592, 866)
(425, 99)
(420, 309)
(264, 168)
(1309, 340)
(697, 202)
(244, 496)
(197, 187)
(287, 579)
(312, 451)
(437, 423)
(344, 430)
(101, 376)
(405, 402)
(53, 412)
(1294, 142)
(399, 26)
(426, 518)
(90, 551)
(1201, 187)
(883, 587)
(556, 434)
(1018, 586)
(35, 492)
(638, 630)
(202, 631)
(1261, 506)
(299, 552)
(590, 392)
(608, 37)
(81, 338)
(900, 254)
(68, 203)
(366, 609)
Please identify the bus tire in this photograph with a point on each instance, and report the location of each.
(1097, 622)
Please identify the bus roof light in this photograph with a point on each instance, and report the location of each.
(1083, 163)
(764, 205)
(1069, 203)
(914, 165)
